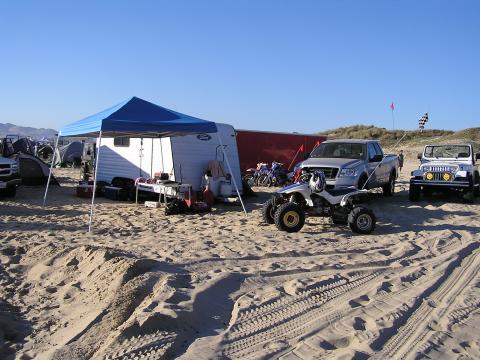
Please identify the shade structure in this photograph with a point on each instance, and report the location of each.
(139, 118)
(135, 118)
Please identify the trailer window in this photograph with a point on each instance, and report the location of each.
(121, 141)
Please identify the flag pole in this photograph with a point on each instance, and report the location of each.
(392, 106)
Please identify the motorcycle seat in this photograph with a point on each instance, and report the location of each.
(339, 192)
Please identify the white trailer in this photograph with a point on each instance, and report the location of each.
(185, 158)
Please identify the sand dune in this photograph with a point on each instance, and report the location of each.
(222, 285)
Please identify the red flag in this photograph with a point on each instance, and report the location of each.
(301, 148)
(317, 143)
(392, 106)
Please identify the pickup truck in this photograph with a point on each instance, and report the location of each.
(9, 177)
(351, 163)
(445, 167)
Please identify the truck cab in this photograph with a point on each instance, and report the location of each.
(354, 163)
(446, 167)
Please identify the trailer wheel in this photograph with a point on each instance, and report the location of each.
(289, 217)
(268, 211)
(414, 192)
(361, 220)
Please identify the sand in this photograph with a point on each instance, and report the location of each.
(221, 285)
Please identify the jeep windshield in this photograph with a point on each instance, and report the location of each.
(447, 151)
(339, 150)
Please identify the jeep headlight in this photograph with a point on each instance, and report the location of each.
(347, 172)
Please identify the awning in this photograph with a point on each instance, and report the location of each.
(138, 118)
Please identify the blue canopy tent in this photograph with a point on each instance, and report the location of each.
(135, 118)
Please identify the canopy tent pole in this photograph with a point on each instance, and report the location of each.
(151, 162)
(95, 181)
(51, 167)
(231, 172)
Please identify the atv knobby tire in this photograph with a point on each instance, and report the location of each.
(289, 217)
(268, 211)
(361, 220)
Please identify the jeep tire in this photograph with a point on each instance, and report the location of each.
(414, 192)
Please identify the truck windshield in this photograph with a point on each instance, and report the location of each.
(339, 150)
(447, 151)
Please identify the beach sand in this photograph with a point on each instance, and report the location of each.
(222, 285)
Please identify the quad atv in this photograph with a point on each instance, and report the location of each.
(288, 206)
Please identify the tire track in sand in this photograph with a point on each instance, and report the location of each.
(415, 330)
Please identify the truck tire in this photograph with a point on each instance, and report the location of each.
(361, 220)
(268, 211)
(289, 217)
(11, 191)
(414, 192)
(389, 188)
(476, 190)
(361, 182)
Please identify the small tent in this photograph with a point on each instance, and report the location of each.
(136, 118)
(33, 171)
(25, 146)
(71, 154)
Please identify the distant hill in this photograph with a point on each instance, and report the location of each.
(25, 131)
(388, 138)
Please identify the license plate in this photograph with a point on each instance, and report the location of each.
(3, 185)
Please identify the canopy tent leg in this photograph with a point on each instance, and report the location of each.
(50, 172)
(95, 181)
(231, 173)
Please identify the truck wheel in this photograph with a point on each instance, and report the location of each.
(361, 183)
(289, 217)
(389, 188)
(361, 220)
(476, 190)
(414, 192)
(268, 211)
(11, 191)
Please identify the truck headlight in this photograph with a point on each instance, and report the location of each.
(347, 172)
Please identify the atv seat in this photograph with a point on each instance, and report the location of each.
(339, 192)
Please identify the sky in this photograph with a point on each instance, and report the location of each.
(294, 66)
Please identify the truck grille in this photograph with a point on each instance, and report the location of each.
(4, 166)
(440, 169)
(438, 176)
(330, 173)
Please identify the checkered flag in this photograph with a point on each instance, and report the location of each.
(422, 121)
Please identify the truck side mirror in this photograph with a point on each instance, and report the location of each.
(376, 158)
(419, 156)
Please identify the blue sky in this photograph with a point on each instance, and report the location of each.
(276, 65)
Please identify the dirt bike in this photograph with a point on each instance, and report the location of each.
(289, 206)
